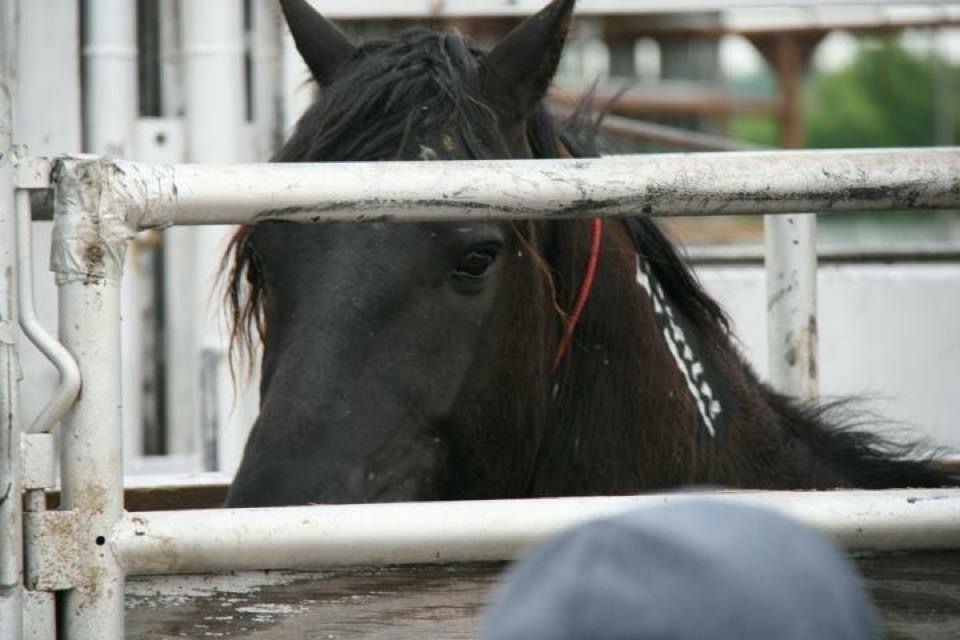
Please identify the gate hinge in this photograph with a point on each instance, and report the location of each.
(39, 461)
(8, 332)
(52, 550)
(33, 172)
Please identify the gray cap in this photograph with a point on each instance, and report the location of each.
(691, 570)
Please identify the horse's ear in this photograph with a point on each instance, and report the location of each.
(321, 44)
(518, 72)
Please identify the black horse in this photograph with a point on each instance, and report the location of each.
(495, 359)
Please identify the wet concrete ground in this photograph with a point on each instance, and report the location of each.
(408, 602)
(918, 595)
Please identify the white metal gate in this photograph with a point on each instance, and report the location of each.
(86, 548)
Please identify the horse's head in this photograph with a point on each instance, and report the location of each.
(392, 366)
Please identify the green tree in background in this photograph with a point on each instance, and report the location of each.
(884, 99)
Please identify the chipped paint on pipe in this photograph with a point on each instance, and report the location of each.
(91, 461)
(792, 334)
(726, 183)
(208, 541)
(89, 239)
(11, 515)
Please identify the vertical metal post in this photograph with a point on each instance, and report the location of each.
(792, 303)
(47, 121)
(92, 467)
(242, 399)
(11, 516)
(111, 109)
(944, 90)
(213, 54)
(111, 83)
(47, 110)
(39, 606)
(89, 243)
(171, 64)
(266, 70)
(945, 104)
(791, 257)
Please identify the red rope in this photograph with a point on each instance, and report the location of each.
(596, 235)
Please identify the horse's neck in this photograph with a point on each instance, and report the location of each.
(621, 406)
(649, 399)
(686, 344)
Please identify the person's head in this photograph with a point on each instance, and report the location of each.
(691, 570)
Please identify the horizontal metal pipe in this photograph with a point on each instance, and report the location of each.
(425, 9)
(750, 254)
(208, 541)
(660, 185)
(660, 134)
(669, 136)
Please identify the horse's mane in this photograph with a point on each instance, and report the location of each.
(430, 80)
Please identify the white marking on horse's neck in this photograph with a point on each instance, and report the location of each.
(427, 153)
(683, 355)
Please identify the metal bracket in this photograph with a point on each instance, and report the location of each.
(32, 172)
(51, 538)
(8, 332)
(39, 455)
(52, 550)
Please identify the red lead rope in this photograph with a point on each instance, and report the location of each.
(596, 235)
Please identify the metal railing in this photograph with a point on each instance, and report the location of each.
(700, 184)
(89, 546)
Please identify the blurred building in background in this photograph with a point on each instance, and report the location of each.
(219, 81)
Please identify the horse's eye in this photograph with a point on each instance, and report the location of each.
(474, 266)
